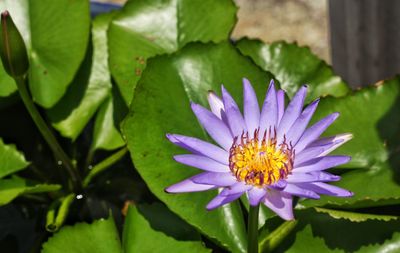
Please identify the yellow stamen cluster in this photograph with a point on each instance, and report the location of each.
(260, 163)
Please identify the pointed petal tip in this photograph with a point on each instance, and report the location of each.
(210, 207)
(193, 105)
(211, 93)
(5, 13)
(346, 159)
(169, 190)
(288, 218)
(316, 100)
(346, 137)
(271, 84)
(223, 89)
(345, 194)
(335, 115)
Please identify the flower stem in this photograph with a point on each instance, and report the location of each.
(47, 134)
(252, 229)
(103, 165)
(270, 242)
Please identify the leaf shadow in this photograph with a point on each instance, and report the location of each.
(389, 131)
(76, 90)
(163, 220)
(337, 234)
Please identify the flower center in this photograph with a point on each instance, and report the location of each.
(260, 163)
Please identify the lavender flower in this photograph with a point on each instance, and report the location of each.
(270, 155)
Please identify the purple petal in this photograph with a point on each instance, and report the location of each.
(239, 187)
(215, 127)
(251, 109)
(215, 178)
(316, 176)
(280, 98)
(256, 195)
(216, 104)
(198, 146)
(322, 147)
(233, 115)
(188, 185)
(317, 151)
(300, 192)
(298, 127)
(269, 112)
(281, 203)
(292, 112)
(321, 163)
(327, 189)
(313, 133)
(222, 200)
(278, 185)
(202, 162)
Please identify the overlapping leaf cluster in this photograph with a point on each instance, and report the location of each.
(127, 77)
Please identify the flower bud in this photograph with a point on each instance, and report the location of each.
(12, 48)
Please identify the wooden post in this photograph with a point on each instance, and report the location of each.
(365, 39)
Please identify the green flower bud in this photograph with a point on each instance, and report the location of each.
(12, 48)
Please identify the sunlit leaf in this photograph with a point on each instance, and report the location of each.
(141, 233)
(90, 87)
(101, 237)
(294, 66)
(145, 28)
(317, 232)
(161, 105)
(11, 160)
(372, 115)
(56, 35)
(14, 187)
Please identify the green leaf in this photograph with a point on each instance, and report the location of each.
(145, 28)
(269, 240)
(372, 115)
(318, 232)
(140, 232)
(56, 35)
(161, 105)
(11, 160)
(382, 189)
(7, 84)
(101, 237)
(14, 187)
(106, 133)
(294, 66)
(355, 217)
(90, 87)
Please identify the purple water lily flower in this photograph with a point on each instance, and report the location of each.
(270, 155)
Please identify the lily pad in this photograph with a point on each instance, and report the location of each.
(101, 237)
(90, 87)
(294, 66)
(11, 160)
(140, 234)
(372, 115)
(317, 232)
(56, 35)
(161, 106)
(145, 28)
(14, 187)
